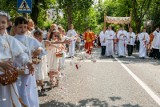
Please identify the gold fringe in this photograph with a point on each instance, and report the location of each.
(20, 100)
(13, 103)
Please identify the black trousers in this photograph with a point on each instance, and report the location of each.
(130, 49)
(103, 50)
(156, 53)
(137, 45)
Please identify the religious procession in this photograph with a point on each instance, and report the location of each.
(77, 64)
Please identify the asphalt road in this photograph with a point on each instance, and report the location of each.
(108, 82)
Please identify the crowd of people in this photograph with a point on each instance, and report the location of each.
(123, 43)
(29, 55)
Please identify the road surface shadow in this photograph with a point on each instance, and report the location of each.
(152, 61)
(93, 102)
(115, 98)
(129, 105)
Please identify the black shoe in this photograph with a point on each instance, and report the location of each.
(43, 90)
(142, 57)
(39, 92)
(155, 58)
(111, 56)
(120, 56)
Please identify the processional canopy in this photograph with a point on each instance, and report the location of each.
(118, 20)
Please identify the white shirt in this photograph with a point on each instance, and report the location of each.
(71, 34)
(156, 40)
(102, 36)
(131, 38)
(110, 34)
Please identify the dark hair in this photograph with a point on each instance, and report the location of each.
(20, 20)
(38, 33)
(55, 34)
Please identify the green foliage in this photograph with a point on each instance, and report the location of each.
(82, 13)
(82, 21)
(139, 10)
(76, 11)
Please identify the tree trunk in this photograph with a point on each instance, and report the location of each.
(35, 12)
(69, 16)
(138, 26)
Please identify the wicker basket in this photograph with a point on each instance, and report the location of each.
(59, 54)
(8, 77)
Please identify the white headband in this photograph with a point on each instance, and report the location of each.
(5, 14)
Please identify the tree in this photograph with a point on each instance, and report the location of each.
(72, 6)
(38, 6)
(154, 13)
(139, 11)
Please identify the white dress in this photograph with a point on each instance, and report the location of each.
(41, 68)
(52, 60)
(62, 60)
(27, 83)
(17, 49)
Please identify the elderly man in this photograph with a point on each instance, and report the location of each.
(72, 35)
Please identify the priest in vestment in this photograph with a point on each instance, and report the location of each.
(144, 41)
(122, 42)
(89, 38)
(110, 36)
